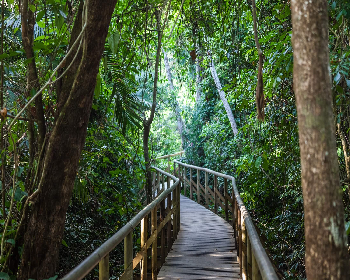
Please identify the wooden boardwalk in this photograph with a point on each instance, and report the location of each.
(204, 249)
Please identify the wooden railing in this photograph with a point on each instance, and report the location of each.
(160, 224)
(253, 261)
(168, 158)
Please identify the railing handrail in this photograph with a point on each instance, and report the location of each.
(265, 266)
(91, 261)
(171, 155)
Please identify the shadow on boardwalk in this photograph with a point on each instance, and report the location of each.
(204, 249)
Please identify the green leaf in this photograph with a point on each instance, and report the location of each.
(62, 14)
(340, 89)
(64, 243)
(339, 15)
(348, 83)
(19, 194)
(337, 77)
(113, 42)
(11, 241)
(347, 228)
(32, 8)
(59, 21)
(4, 276)
(40, 15)
(39, 45)
(334, 5)
(20, 171)
(258, 162)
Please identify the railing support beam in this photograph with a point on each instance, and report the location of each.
(128, 256)
(154, 244)
(191, 188)
(103, 271)
(198, 192)
(206, 190)
(144, 233)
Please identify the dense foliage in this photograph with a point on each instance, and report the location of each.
(264, 156)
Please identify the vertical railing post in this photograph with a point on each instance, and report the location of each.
(168, 164)
(181, 170)
(153, 185)
(175, 213)
(103, 270)
(198, 192)
(237, 227)
(158, 182)
(226, 200)
(169, 239)
(244, 250)
(178, 209)
(154, 244)
(184, 180)
(249, 258)
(162, 215)
(206, 190)
(239, 253)
(144, 229)
(128, 256)
(255, 269)
(215, 195)
(191, 189)
(233, 209)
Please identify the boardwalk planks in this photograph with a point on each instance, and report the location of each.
(204, 249)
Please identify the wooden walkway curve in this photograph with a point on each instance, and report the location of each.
(204, 248)
(184, 239)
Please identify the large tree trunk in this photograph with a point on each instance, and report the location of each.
(180, 122)
(223, 98)
(326, 252)
(46, 223)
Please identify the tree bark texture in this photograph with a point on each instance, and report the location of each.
(28, 22)
(46, 223)
(223, 98)
(180, 122)
(326, 252)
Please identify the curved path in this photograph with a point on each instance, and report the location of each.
(204, 248)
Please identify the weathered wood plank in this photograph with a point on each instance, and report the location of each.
(204, 249)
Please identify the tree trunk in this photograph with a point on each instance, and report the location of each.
(223, 98)
(28, 22)
(326, 252)
(147, 122)
(46, 223)
(198, 81)
(259, 95)
(180, 122)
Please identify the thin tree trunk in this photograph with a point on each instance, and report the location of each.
(180, 122)
(198, 78)
(45, 229)
(28, 22)
(326, 252)
(2, 140)
(260, 99)
(147, 122)
(223, 98)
